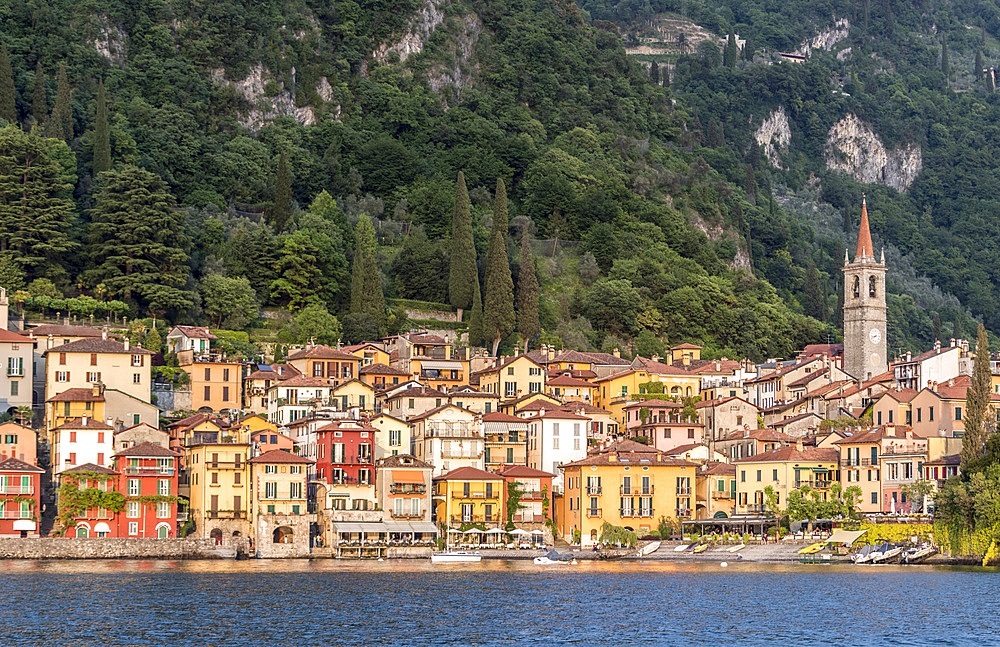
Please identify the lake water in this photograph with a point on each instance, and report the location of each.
(494, 603)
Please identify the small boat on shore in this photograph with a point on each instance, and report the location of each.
(735, 549)
(889, 553)
(918, 554)
(701, 548)
(814, 548)
(555, 557)
(651, 547)
(681, 548)
(452, 556)
(864, 555)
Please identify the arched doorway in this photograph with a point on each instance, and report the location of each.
(281, 535)
(216, 534)
(162, 531)
(82, 532)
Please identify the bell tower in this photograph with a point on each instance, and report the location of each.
(865, 346)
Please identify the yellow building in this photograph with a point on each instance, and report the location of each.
(369, 354)
(513, 377)
(325, 363)
(80, 364)
(392, 435)
(218, 475)
(72, 404)
(215, 380)
(504, 439)
(382, 376)
(784, 469)
(716, 490)
(626, 484)
(626, 385)
(257, 422)
(529, 405)
(278, 483)
(571, 389)
(468, 495)
(354, 393)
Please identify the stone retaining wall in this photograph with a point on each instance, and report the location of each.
(107, 548)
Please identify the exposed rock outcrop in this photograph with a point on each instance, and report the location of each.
(419, 31)
(458, 75)
(827, 39)
(774, 136)
(266, 108)
(111, 43)
(852, 147)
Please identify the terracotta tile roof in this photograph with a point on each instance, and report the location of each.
(524, 471)
(826, 389)
(194, 332)
(957, 389)
(629, 452)
(7, 336)
(763, 435)
(685, 346)
(558, 414)
(579, 374)
(346, 424)
(419, 392)
(367, 344)
(782, 372)
(81, 394)
(473, 394)
(865, 247)
(784, 406)
(927, 355)
(97, 345)
(147, 449)
(78, 423)
(716, 468)
(727, 366)
(792, 453)
(654, 402)
(186, 423)
(280, 456)
(900, 395)
(424, 338)
(89, 467)
(303, 381)
(539, 405)
(141, 424)
(496, 416)
(58, 330)
(814, 350)
(658, 368)
(469, 474)
(403, 460)
(382, 369)
(680, 449)
(320, 351)
(427, 414)
(588, 409)
(563, 380)
(872, 435)
(14, 465)
(386, 415)
(788, 421)
(951, 459)
(607, 359)
(806, 379)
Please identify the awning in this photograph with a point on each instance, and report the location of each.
(846, 537)
(441, 366)
(398, 526)
(359, 527)
(408, 476)
(102, 527)
(424, 527)
(24, 524)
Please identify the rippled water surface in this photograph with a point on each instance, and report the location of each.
(494, 603)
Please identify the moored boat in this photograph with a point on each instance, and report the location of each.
(920, 553)
(651, 547)
(456, 556)
(555, 557)
(889, 553)
(864, 555)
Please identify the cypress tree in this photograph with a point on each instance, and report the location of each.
(936, 324)
(61, 123)
(373, 298)
(945, 62)
(476, 316)
(732, 50)
(364, 243)
(39, 102)
(956, 327)
(654, 73)
(748, 49)
(498, 309)
(815, 299)
(979, 65)
(462, 273)
(281, 212)
(527, 292)
(978, 426)
(8, 101)
(102, 140)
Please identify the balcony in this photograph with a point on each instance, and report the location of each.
(635, 513)
(407, 488)
(728, 494)
(594, 490)
(225, 514)
(468, 455)
(225, 465)
(528, 517)
(407, 515)
(15, 371)
(182, 516)
(592, 513)
(429, 352)
(452, 431)
(756, 508)
(149, 471)
(638, 491)
(680, 513)
(16, 514)
(474, 518)
(532, 495)
(18, 489)
(816, 485)
(684, 491)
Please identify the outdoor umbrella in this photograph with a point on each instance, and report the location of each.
(494, 531)
(518, 531)
(473, 531)
(454, 531)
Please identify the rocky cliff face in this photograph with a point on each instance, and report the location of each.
(827, 38)
(267, 106)
(419, 31)
(774, 135)
(852, 147)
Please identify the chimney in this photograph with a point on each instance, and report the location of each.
(84, 421)
(127, 343)
(686, 359)
(517, 351)
(909, 356)
(718, 366)
(49, 342)
(798, 445)
(95, 389)
(655, 358)
(104, 334)
(937, 344)
(616, 352)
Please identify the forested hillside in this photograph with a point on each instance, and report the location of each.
(197, 161)
(899, 79)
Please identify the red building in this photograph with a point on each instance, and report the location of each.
(19, 509)
(536, 490)
(94, 521)
(148, 479)
(345, 452)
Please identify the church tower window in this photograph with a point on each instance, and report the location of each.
(872, 289)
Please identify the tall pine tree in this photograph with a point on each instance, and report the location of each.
(815, 298)
(281, 212)
(527, 292)
(462, 273)
(374, 299)
(364, 239)
(136, 243)
(60, 124)
(36, 211)
(732, 50)
(8, 96)
(654, 73)
(498, 309)
(977, 422)
(102, 140)
(39, 101)
(476, 316)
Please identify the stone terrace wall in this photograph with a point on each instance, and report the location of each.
(98, 548)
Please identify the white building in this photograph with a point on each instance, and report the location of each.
(554, 438)
(938, 365)
(80, 441)
(295, 397)
(448, 437)
(16, 360)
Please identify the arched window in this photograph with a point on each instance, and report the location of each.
(857, 287)
(872, 289)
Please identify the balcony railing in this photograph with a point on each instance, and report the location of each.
(636, 491)
(593, 490)
(680, 513)
(452, 432)
(529, 517)
(479, 495)
(17, 489)
(15, 371)
(728, 494)
(225, 514)
(474, 518)
(635, 512)
(593, 512)
(450, 454)
(532, 495)
(816, 485)
(407, 488)
(407, 515)
(182, 516)
(236, 465)
(150, 471)
(756, 507)
(684, 491)
(15, 514)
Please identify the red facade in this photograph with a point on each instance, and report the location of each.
(19, 492)
(344, 453)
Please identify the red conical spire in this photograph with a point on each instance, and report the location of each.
(865, 247)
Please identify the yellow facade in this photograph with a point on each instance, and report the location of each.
(629, 485)
(392, 436)
(783, 469)
(73, 366)
(278, 487)
(369, 354)
(257, 423)
(511, 407)
(467, 495)
(354, 394)
(514, 378)
(440, 374)
(220, 494)
(215, 385)
(625, 385)
(57, 413)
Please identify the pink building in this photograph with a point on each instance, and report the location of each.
(663, 423)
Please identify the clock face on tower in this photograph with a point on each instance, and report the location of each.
(875, 335)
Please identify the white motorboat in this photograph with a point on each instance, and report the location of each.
(915, 555)
(737, 548)
(681, 548)
(651, 547)
(889, 552)
(455, 556)
(545, 561)
(864, 555)
(555, 557)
